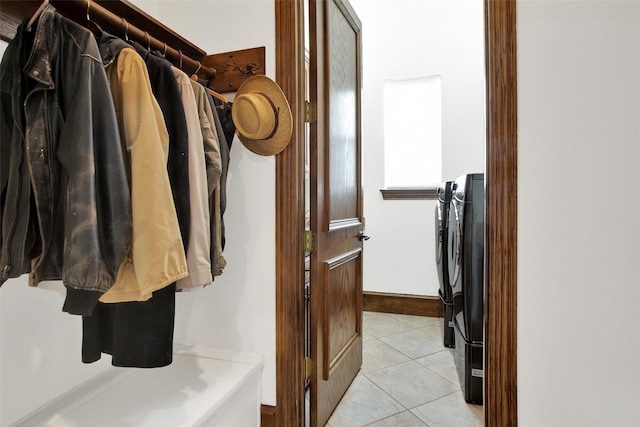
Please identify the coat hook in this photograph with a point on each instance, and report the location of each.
(148, 40)
(88, 8)
(198, 69)
(248, 69)
(164, 53)
(180, 59)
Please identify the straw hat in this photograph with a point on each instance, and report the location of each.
(262, 116)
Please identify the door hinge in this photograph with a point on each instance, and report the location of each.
(307, 292)
(308, 368)
(309, 112)
(309, 241)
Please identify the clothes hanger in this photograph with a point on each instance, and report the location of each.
(36, 14)
(162, 54)
(194, 76)
(126, 30)
(217, 95)
(148, 41)
(212, 92)
(92, 25)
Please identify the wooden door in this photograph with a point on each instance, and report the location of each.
(501, 393)
(336, 203)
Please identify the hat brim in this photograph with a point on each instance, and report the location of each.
(279, 140)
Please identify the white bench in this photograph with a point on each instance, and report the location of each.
(202, 387)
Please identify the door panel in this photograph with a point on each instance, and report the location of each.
(335, 204)
(343, 119)
(342, 321)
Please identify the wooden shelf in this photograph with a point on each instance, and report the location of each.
(235, 66)
(12, 13)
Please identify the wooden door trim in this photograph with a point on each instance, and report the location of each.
(290, 221)
(501, 239)
(501, 362)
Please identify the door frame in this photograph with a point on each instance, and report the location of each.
(500, 400)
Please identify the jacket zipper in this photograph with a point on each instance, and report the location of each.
(33, 189)
(8, 266)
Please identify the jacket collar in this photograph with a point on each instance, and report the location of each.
(38, 66)
(110, 46)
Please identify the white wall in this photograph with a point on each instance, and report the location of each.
(40, 345)
(39, 348)
(238, 311)
(404, 38)
(579, 103)
(578, 210)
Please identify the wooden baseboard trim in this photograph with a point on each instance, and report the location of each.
(267, 416)
(416, 305)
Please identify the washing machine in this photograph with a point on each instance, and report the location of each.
(466, 273)
(443, 202)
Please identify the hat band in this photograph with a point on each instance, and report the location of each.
(276, 112)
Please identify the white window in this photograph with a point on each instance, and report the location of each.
(413, 132)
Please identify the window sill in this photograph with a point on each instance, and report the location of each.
(416, 193)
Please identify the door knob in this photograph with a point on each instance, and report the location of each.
(363, 236)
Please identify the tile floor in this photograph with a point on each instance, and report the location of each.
(408, 378)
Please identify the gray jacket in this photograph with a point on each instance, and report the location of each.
(64, 205)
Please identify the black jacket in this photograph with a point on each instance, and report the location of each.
(64, 197)
(167, 93)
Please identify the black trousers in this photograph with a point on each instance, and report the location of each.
(135, 334)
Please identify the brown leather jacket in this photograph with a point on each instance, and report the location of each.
(64, 197)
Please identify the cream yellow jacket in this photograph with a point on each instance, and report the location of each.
(214, 171)
(199, 247)
(156, 256)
